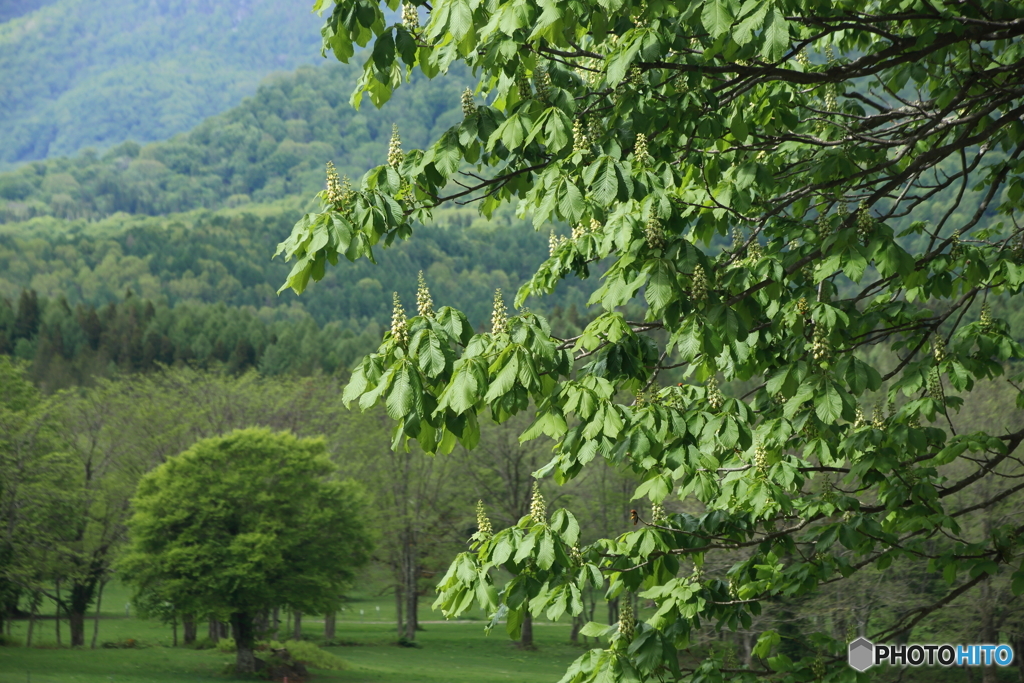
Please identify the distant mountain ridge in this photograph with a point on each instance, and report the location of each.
(93, 73)
(271, 146)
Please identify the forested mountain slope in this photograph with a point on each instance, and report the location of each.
(272, 145)
(81, 73)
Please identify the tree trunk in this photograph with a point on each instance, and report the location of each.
(275, 622)
(329, 620)
(410, 615)
(1018, 642)
(31, 622)
(57, 620)
(747, 643)
(526, 635)
(188, 628)
(174, 632)
(577, 624)
(297, 632)
(398, 608)
(262, 624)
(214, 630)
(410, 588)
(245, 641)
(987, 632)
(613, 611)
(81, 596)
(96, 619)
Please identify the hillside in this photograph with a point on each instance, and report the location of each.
(84, 73)
(273, 145)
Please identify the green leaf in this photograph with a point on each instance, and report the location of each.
(828, 404)
(660, 290)
(596, 630)
(401, 393)
(776, 37)
(1017, 585)
(570, 202)
(716, 17)
(765, 642)
(753, 13)
(546, 551)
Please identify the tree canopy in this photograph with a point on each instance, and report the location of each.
(243, 523)
(795, 388)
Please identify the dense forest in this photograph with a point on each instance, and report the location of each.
(79, 74)
(273, 145)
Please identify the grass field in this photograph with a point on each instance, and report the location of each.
(450, 652)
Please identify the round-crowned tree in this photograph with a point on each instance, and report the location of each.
(242, 523)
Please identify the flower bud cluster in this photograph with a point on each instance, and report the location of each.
(410, 17)
(483, 524)
(754, 253)
(575, 556)
(859, 421)
(821, 350)
(803, 60)
(523, 85)
(818, 668)
(595, 128)
(761, 459)
(468, 103)
(538, 509)
(395, 154)
(824, 226)
(657, 514)
(986, 317)
(714, 395)
(580, 141)
(802, 307)
(698, 284)
(339, 191)
(640, 152)
(555, 241)
(939, 348)
(333, 184)
(831, 101)
(737, 239)
(399, 324)
(878, 418)
(424, 303)
(654, 234)
(956, 249)
(499, 314)
(542, 81)
(865, 222)
(627, 621)
(934, 385)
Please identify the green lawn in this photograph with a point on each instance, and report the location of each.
(449, 652)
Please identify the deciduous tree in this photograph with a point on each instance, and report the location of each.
(243, 523)
(815, 133)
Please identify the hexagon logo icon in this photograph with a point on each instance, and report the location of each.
(861, 654)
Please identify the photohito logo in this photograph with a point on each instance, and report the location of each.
(863, 654)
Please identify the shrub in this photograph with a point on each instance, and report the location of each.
(9, 641)
(226, 645)
(307, 653)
